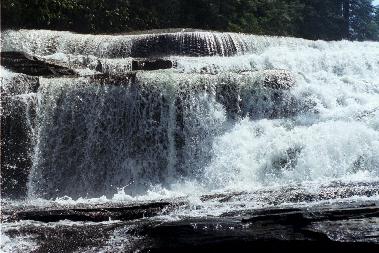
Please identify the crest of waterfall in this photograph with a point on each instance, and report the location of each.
(145, 45)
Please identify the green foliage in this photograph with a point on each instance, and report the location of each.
(374, 26)
(311, 19)
(322, 19)
(362, 22)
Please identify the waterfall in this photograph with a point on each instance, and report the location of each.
(235, 112)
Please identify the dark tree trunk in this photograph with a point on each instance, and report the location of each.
(346, 16)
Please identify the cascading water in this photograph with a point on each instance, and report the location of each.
(209, 139)
(211, 123)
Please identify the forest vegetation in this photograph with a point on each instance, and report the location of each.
(310, 19)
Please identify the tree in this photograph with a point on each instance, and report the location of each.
(346, 17)
(362, 24)
(310, 19)
(323, 19)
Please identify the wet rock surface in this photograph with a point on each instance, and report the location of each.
(16, 145)
(123, 228)
(105, 213)
(27, 64)
(17, 120)
(187, 43)
(151, 64)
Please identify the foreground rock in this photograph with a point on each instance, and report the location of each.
(270, 230)
(353, 227)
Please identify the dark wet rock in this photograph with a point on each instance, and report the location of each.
(33, 66)
(290, 228)
(278, 79)
(99, 66)
(320, 228)
(123, 213)
(18, 120)
(17, 123)
(64, 237)
(225, 235)
(19, 84)
(302, 217)
(184, 43)
(228, 95)
(151, 64)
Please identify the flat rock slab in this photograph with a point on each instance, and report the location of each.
(145, 64)
(151, 64)
(30, 65)
(99, 214)
(270, 229)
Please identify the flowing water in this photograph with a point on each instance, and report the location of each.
(208, 126)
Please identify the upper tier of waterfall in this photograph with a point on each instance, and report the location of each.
(201, 43)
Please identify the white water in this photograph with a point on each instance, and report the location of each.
(331, 134)
(114, 46)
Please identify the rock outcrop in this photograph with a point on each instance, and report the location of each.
(127, 229)
(33, 66)
(151, 64)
